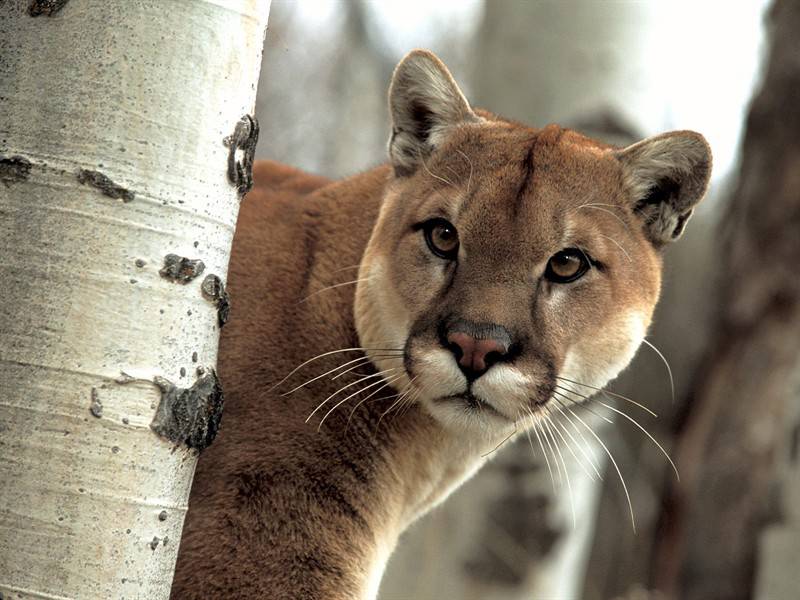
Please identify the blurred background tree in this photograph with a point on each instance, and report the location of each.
(619, 71)
(733, 519)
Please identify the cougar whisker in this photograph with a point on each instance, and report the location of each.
(666, 364)
(352, 412)
(616, 206)
(406, 391)
(613, 462)
(505, 439)
(360, 402)
(361, 361)
(625, 252)
(544, 452)
(556, 424)
(559, 475)
(349, 385)
(395, 403)
(605, 393)
(584, 406)
(528, 433)
(408, 402)
(356, 393)
(599, 207)
(333, 287)
(442, 179)
(469, 161)
(609, 392)
(584, 450)
(647, 433)
(324, 354)
(533, 427)
(346, 268)
(369, 358)
(564, 464)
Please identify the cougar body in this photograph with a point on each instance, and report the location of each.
(421, 314)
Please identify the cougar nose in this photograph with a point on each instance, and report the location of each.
(476, 353)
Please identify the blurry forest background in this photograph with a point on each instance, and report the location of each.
(619, 71)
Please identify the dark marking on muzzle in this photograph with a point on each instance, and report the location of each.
(526, 181)
(189, 416)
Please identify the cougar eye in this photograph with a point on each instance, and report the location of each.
(442, 238)
(567, 265)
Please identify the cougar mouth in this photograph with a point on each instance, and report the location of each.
(474, 404)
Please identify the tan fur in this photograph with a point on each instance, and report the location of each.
(282, 510)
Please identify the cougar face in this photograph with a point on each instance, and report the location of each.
(517, 268)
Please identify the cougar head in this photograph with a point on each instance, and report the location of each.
(517, 268)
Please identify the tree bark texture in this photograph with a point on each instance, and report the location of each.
(728, 439)
(124, 152)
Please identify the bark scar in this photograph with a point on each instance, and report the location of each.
(45, 7)
(101, 182)
(14, 169)
(191, 415)
(241, 153)
(181, 269)
(96, 407)
(214, 290)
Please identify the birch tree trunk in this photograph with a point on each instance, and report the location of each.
(124, 150)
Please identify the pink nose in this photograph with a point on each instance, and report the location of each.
(476, 355)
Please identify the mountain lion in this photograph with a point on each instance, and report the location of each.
(392, 329)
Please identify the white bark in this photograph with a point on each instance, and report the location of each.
(143, 92)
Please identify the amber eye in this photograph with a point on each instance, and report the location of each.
(442, 238)
(567, 265)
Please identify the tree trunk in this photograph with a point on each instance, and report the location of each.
(728, 442)
(124, 150)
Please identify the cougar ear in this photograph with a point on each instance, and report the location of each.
(424, 101)
(666, 176)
